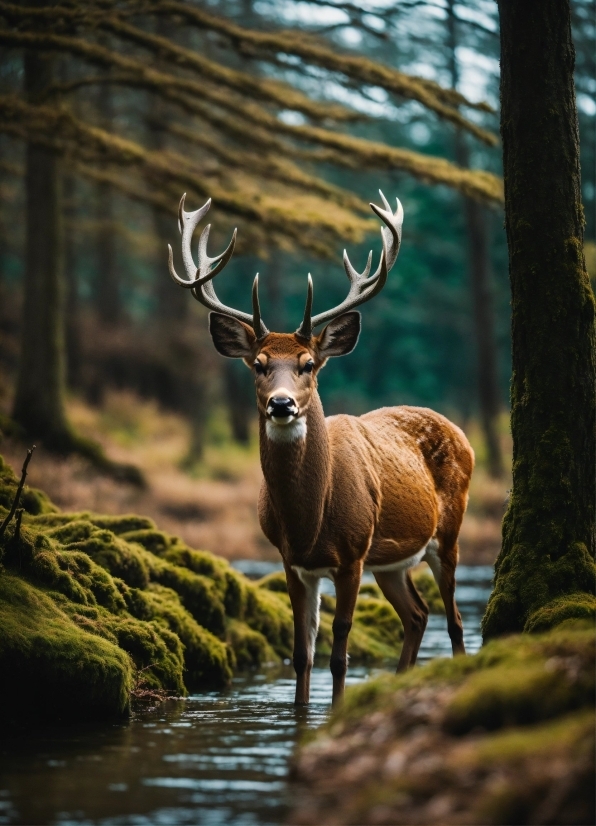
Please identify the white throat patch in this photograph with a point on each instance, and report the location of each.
(291, 432)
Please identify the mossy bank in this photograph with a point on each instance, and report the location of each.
(91, 604)
(503, 737)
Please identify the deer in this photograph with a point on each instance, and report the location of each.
(341, 495)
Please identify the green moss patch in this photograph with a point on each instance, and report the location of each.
(505, 736)
(50, 665)
(183, 618)
(579, 606)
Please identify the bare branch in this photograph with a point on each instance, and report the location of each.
(17, 498)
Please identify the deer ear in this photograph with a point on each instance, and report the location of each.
(231, 338)
(339, 337)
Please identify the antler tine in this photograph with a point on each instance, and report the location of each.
(305, 329)
(362, 286)
(200, 278)
(260, 330)
(187, 223)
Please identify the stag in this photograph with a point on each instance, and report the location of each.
(344, 494)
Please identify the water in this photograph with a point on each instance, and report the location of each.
(214, 758)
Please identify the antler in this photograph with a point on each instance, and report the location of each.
(200, 278)
(362, 287)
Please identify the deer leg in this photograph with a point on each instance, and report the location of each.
(347, 585)
(443, 568)
(400, 591)
(304, 596)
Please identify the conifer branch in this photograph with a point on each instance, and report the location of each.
(264, 89)
(313, 51)
(443, 102)
(61, 131)
(269, 166)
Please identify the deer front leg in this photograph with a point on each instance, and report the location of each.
(347, 585)
(304, 596)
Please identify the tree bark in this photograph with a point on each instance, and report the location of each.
(39, 402)
(487, 371)
(239, 392)
(74, 364)
(109, 305)
(546, 562)
(484, 332)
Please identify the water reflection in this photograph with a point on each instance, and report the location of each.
(214, 758)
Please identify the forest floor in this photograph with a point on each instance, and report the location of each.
(211, 505)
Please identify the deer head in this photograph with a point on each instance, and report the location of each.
(285, 365)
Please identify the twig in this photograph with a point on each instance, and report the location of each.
(17, 497)
(17, 533)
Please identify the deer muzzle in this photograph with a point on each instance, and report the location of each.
(282, 409)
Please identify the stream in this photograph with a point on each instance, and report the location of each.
(213, 758)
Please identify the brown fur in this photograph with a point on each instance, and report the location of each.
(370, 490)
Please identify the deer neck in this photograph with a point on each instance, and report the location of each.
(296, 468)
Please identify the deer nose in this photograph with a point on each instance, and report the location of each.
(281, 407)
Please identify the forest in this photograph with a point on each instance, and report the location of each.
(291, 117)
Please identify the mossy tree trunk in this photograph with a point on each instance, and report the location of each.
(549, 530)
(39, 402)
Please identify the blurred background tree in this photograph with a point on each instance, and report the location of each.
(290, 116)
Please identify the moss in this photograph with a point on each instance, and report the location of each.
(153, 540)
(32, 500)
(154, 649)
(122, 559)
(377, 618)
(579, 606)
(569, 652)
(519, 593)
(507, 696)
(251, 649)
(208, 661)
(198, 594)
(270, 614)
(51, 666)
(394, 752)
(230, 585)
(428, 588)
(122, 524)
(274, 582)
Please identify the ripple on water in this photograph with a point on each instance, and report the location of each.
(215, 758)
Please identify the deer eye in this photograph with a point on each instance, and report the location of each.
(308, 367)
(259, 369)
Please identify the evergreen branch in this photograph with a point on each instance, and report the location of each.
(429, 94)
(61, 131)
(360, 68)
(167, 85)
(268, 166)
(267, 90)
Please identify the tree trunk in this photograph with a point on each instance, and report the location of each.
(548, 532)
(481, 288)
(39, 401)
(484, 332)
(109, 305)
(172, 302)
(72, 330)
(239, 391)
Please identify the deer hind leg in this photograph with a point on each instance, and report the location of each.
(305, 599)
(347, 585)
(443, 565)
(412, 610)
